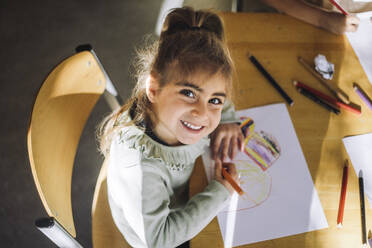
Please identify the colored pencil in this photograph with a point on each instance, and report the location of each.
(370, 238)
(341, 206)
(338, 6)
(330, 99)
(270, 79)
(362, 208)
(231, 180)
(318, 100)
(363, 95)
(335, 91)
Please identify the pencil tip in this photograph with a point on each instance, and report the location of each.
(339, 225)
(249, 55)
(294, 82)
(360, 173)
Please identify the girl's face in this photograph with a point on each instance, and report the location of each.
(187, 110)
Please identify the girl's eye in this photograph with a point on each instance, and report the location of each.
(215, 101)
(188, 93)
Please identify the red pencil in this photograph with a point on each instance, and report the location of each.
(331, 100)
(229, 178)
(341, 207)
(337, 5)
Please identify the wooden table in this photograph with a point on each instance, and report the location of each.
(277, 40)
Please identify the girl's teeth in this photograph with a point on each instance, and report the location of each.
(191, 126)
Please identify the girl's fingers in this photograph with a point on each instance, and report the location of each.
(237, 143)
(216, 143)
(231, 169)
(226, 142)
(241, 142)
(217, 170)
(234, 147)
(353, 20)
(217, 159)
(352, 28)
(225, 149)
(352, 23)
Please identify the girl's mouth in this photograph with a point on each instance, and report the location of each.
(191, 126)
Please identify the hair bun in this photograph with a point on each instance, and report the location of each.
(187, 19)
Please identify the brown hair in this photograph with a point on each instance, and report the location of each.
(190, 42)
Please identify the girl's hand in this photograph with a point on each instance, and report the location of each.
(338, 23)
(231, 169)
(226, 141)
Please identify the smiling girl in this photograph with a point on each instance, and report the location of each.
(181, 97)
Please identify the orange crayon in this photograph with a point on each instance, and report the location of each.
(234, 184)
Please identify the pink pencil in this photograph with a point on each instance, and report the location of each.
(341, 206)
(337, 5)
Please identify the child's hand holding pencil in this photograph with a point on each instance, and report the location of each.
(227, 175)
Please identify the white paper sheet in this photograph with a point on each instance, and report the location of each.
(359, 148)
(361, 41)
(279, 201)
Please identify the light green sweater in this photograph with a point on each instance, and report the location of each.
(148, 189)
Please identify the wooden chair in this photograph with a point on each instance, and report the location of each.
(61, 109)
(104, 231)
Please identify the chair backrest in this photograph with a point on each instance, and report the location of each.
(62, 107)
(104, 232)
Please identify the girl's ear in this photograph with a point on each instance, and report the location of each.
(152, 87)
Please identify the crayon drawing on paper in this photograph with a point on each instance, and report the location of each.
(280, 198)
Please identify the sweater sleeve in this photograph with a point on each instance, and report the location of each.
(170, 228)
(228, 113)
(141, 194)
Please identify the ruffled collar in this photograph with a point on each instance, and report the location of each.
(175, 157)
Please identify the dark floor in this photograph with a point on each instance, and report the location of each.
(35, 36)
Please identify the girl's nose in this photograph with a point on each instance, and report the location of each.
(194, 113)
(199, 110)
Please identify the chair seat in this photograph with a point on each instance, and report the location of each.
(104, 230)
